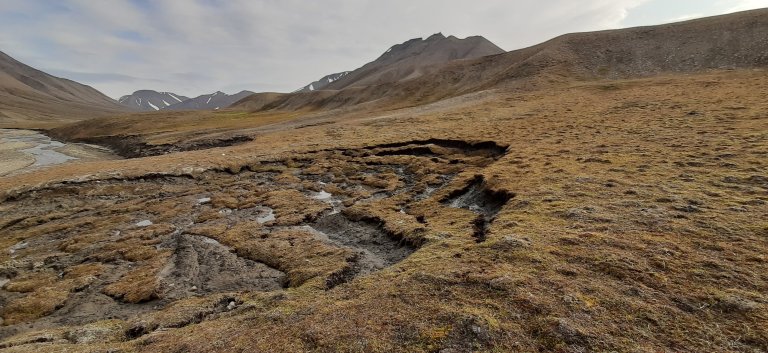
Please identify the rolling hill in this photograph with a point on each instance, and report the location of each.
(32, 98)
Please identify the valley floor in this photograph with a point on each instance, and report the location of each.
(627, 216)
(23, 151)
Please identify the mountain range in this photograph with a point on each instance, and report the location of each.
(214, 101)
(149, 100)
(401, 62)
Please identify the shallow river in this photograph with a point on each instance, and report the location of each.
(26, 150)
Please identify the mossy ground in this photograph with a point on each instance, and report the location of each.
(637, 225)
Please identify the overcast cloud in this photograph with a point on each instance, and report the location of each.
(192, 47)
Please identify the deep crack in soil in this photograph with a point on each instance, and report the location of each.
(477, 198)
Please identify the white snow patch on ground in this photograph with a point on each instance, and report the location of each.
(329, 199)
(144, 223)
(211, 241)
(322, 195)
(268, 217)
(17, 247)
(153, 106)
(174, 97)
(166, 103)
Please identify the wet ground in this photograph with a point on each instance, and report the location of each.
(27, 150)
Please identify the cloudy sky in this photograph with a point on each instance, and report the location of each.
(192, 47)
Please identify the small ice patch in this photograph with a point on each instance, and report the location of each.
(211, 241)
(225, 211)
(328, 198)
(18, 246)
(322, 195)
(268, 217)
(203, 200)
(144, 223)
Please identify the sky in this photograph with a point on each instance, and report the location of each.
(194, 47)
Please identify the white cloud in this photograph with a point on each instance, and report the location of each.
(687, 17)
(742, 5)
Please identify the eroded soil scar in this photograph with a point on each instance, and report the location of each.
(478, 198)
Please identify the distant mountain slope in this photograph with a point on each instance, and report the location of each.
(734, 41)
(213, 101)
(149, 100)
(32, 98)
(415, 58)
(323, 82)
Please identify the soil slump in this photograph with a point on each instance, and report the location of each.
(146, 243)
(375, 249)
(477, 198)
(202, 265)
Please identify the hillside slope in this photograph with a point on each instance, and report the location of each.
(731, 41)
(322, 83)
(32, 98)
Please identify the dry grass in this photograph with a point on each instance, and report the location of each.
(637, 225)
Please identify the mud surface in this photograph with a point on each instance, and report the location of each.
(374, 248)
(202, 265)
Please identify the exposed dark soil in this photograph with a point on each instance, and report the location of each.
(136, 146)
(203, 266)
(375, 249)
(477, 198)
